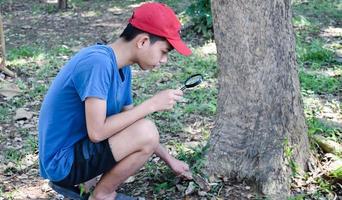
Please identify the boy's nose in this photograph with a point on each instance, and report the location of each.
(163, 59)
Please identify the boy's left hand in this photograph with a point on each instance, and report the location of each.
(181, 169)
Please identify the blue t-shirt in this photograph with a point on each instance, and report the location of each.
(92, 72)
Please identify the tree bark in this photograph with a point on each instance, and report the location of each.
(63, 4)
(260, 127)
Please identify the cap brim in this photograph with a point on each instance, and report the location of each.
(180, 47)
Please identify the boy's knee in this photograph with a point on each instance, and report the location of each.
(150, 132)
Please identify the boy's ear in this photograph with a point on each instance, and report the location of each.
(142, 40)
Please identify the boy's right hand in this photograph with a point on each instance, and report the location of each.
(165, 100)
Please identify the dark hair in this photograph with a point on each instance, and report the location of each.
(131, 32)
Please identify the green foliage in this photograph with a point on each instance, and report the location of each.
(201, 18)
(4, 112)
(22, 52)
(315, 126)
(324, 185)
(193, 156)
(337, 173)
(162, 186)
(319, 84)
(297, 197)
(288, 152)
(3, 2)
(31, 144)
(13, 155)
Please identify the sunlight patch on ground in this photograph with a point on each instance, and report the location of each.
(39, 60)
(51, 1)
(40, 190)
(324, 108)
(132, 6)
(18, 62)
(89, 14)
(332, 32)
(115, 10)
(327, 72)
(207, 49)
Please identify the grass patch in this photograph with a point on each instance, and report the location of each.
(4, 112)
(315, 126)
(313, 54)
(319, 84)
(193, 156)
(23, 52)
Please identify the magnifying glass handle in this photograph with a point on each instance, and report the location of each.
(183, 88)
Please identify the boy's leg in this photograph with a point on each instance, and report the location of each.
(131, 148)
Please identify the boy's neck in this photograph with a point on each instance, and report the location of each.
(123, 52)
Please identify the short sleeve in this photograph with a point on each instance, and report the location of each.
(92, 77)
(129, 98)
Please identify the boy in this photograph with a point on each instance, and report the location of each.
(88, 125)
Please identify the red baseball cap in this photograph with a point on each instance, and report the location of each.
(160, 20)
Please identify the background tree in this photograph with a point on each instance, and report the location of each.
(260, 132)
(63, 4)
(3, 51)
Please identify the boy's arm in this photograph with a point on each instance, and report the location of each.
(101, 127)
(179, 167)
(129, 107)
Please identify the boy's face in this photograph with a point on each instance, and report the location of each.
(153, 55)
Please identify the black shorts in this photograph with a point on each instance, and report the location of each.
(90, 160)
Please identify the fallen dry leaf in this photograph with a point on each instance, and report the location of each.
(9, 90)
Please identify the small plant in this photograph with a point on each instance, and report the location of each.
(297, 197)
(162, 186)
(337, 172)
(288, 152)
(31, 144)
(13, 155)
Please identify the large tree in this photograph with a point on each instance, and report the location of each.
(260, 132)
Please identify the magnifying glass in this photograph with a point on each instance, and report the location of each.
(192, 81)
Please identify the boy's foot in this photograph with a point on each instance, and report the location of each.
(73, 193)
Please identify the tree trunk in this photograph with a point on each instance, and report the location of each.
(2, 44)
(3, 52)
(63, 4)
(260, 129)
